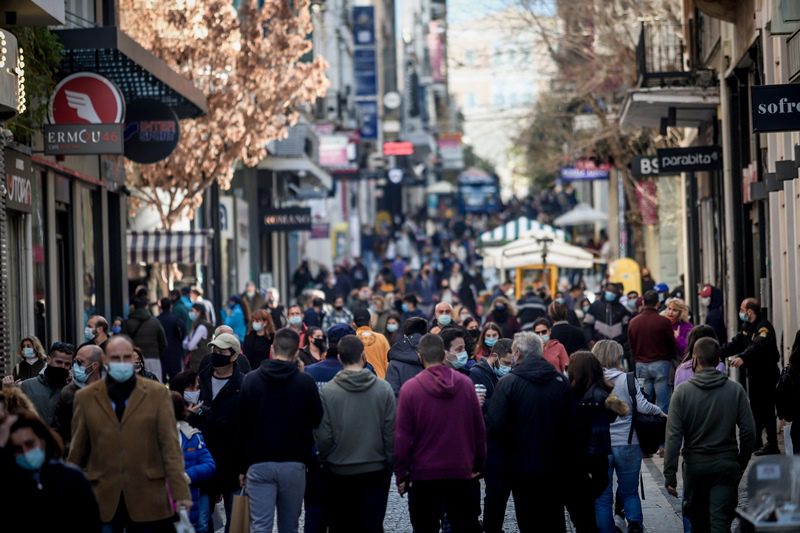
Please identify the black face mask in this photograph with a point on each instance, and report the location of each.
(474, 333)
(219, 360)
(56, 375)
(321, 345)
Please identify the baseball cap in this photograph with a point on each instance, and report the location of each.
(226, 341)
(705, 292)
(337, 331)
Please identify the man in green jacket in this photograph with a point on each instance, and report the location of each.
(355, 441)
(704, 414)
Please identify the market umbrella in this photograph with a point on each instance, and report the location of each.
(581, 214)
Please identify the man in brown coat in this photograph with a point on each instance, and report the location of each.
(125, 437)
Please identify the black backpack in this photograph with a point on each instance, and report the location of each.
(787, 396)
(651, 429)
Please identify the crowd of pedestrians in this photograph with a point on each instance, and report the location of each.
(410, 368)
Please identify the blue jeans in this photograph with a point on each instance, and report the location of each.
(203, 513)
(656, 381)
(626, 461)
(270, 485)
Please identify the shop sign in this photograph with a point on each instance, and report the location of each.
(19, 181)
(151, 131)
(775, 107)
(320, 230)
(574, 173)
(86, 114)
(369, 120)
(643, 166)
(398, 148)
(691, 159)
(288, 219)
(364, 25)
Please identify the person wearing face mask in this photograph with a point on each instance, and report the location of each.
(573, 338)
(456, 356)
(31, 361)
(258, 341)
(489, 335)
(404, 361)
(252, 296)
(662, 289)
(196, 342)
(362, 297)
(755, 349)
(376, 347)
(442, 316)
(504, 315)
(582, 307)
(315, 314)
(607, 318)
(147, 333)
(116, 326)
(530, 307)
(686, 369)
(316, 347)
(87, 367)
(553, 351)
(44, 390)
(409, 307)
(96, 331)
(392, 330)
(339, 315)
(491, 368)
(35, 479)
(172, 358)
(711, 301)
(236, 315)
(123, 432)
(220, 389)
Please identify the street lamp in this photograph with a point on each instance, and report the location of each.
(544, 242)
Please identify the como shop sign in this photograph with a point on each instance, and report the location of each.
(775, 107)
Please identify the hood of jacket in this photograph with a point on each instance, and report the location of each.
(367, 336)
(536, 370)
(140, 314)
(439, 380)
(275, 371)
(355, 380)
(708, 378)
(716, 298)
(405, 351)
(187, 430)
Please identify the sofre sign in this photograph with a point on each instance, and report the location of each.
(692, 159)
(775, 107)
(86, 115)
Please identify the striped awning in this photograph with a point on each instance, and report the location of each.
(185, 247)
(515, 229)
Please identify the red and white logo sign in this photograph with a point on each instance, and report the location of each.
(86, 98)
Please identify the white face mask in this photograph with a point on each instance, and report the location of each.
(191, 396)
(705, 301)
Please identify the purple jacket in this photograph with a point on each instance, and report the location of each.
(439, 433)
(681, 331)
(684, 372)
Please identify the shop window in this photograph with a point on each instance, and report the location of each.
(88, 251)
(37, 251)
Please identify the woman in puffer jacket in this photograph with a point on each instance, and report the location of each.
(626, 456)
(198, 464)
(597, 407)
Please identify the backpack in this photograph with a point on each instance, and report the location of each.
(787, 396)
(651, 429)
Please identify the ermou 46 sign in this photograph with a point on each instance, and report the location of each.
(775, 107)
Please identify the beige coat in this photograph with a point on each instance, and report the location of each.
(139, 457)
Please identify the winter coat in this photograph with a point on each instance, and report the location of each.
(651, 338)
(555, 354)
(757, 345)
(531, 421)
(440, 432)
(529, 308)
(174, 331)
(146, 333)
(313, 318)
(279, 409)
(43, 394)
(715, 317)
(607, 320)
(404, 362)
(356, 434)
(234, 318)
(621, 427)
(376, 349)
(482, 374)
(573, 338)
(704, 415)
(256, 348)
(324, 371)
(197, 460)
(23, 370)
(219, 422)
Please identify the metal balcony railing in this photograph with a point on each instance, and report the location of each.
(660, 55)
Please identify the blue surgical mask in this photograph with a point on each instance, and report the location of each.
(79, 374)
(461, 360)
(501, 371)
(631, 304)
(742, 316)
(116, 330)
(661, 297)
(31, 460)
(490, 341)
(544, 338)
(295, 320)
(28, 353)
(191, 396)
(120, 372)
(444, 320)
(610, 296)
(391, 328)
(404, 307)
(192, 315)
(88, 333)
(258, 326)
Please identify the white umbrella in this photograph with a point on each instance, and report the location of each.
(581, 214)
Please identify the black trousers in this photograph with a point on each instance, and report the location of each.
(762, 402)
(539, 504)
(711, 486)
(122, 522)
(370, 492)
(498, 490)
(457, 497)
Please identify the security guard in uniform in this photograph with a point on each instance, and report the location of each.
(755, 349)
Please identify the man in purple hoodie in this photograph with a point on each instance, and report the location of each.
(440, 444)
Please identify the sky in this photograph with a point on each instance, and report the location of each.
(465, 10)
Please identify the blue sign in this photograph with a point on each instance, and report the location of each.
(364, 25)
(574, 174)
(366, 72)
(368, 111)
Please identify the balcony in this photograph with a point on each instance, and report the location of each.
(660, 55)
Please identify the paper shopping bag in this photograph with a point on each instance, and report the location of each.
(240, 514)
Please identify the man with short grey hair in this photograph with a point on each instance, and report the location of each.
(532, 405)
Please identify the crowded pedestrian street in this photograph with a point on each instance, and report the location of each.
(400, 266)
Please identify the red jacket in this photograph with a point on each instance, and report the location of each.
(650, 337)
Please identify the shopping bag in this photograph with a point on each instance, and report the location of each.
(788, 445)
(240, 514)
(184, 525)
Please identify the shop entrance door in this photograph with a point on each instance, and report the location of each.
(65, 277)
(18, 298)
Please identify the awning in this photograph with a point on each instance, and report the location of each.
(158, 246)
(528, 252)
(138, 73)
(646, 107)
(516, 229)
(581, 214)
(297, 165)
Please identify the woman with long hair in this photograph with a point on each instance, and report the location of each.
(490, 334)
(393, 333)
(258, 340)
(316, 347)
(685, 370)
(625, 459)
(31, 357)
(196, 342)
(677, 312)
(504, 315)
(236, 315)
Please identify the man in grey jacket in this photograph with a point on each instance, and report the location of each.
(355, 441)
(705, 414)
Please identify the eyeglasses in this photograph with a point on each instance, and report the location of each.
(63, 347)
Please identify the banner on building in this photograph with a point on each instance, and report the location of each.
(19, 180)
(775, 107)
(647, 196)
(287, 219)
(691, 159)
(451, 151)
